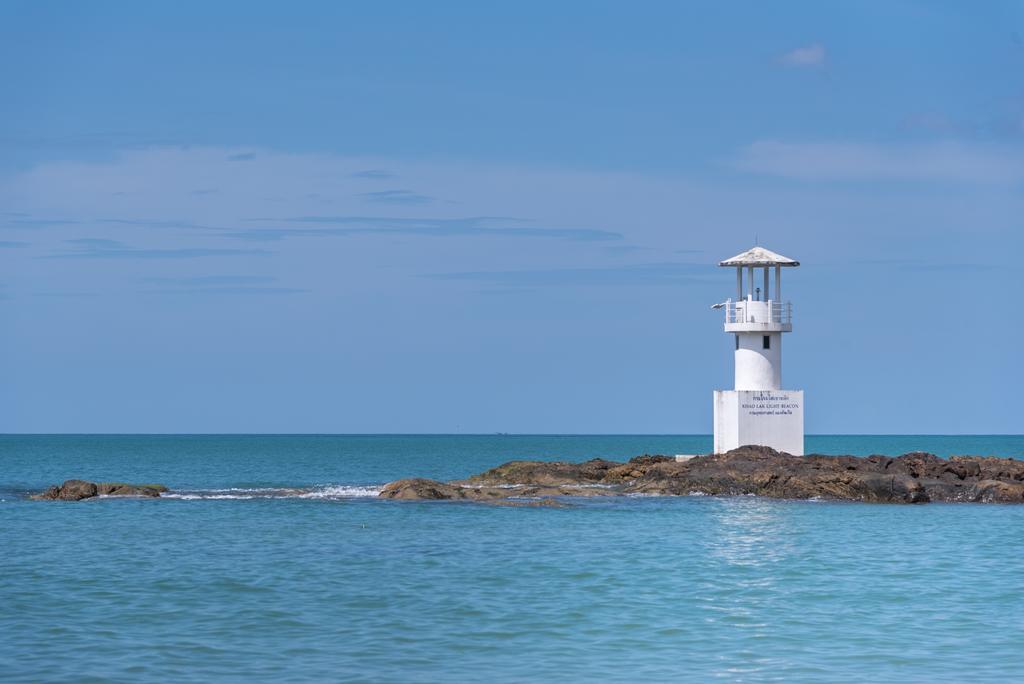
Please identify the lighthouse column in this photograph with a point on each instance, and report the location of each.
(758, 361)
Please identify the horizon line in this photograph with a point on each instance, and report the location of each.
(484, 434)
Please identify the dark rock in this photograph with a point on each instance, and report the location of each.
(884, 488)
(71, 490)
(996, 491)
(125, 489)
(421, 488)
(76, 490)
(915, 477)
(544, 473)
(50, 494)
(647, 459)
(636, 468)
(917, 464)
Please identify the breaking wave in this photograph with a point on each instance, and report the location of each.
(318, 492)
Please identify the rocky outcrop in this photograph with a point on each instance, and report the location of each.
(76, 490)
(420, 489)
(912, 478)
(545, 473)
(751, 470)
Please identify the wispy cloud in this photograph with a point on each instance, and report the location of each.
(96, 243)
(241, 156)
(101, 248)
(63, 294)
(220, 285)
(803, 57)
(626, 249)
(1005, 123)
(919, 265)
(21, 221)
(374, 174)
(427, 227)
(405, 197)
(12, 244)
(638, 274)
(157, 223)
(213, 280)
(230, 290)
(853, 161)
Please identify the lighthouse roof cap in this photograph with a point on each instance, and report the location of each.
(759, 256)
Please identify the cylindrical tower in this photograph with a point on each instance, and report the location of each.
(758, 361)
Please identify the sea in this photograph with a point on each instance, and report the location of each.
(272, 560)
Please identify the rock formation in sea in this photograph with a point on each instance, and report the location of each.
(916, 477)
(912, 478)
(76, 490)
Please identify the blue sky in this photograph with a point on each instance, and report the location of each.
(473, 217)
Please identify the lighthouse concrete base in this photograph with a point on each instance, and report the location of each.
(773, 418)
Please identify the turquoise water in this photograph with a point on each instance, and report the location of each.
(238, 582)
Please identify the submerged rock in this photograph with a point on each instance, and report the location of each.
(916, 477)
(531, 503)
(76, 490)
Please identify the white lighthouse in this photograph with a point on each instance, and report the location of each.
(758, 410)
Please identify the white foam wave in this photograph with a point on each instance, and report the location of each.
(574, 485)
(341, 491)
(205, 495)
(318, 492)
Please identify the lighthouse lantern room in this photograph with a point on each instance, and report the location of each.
(757, 410)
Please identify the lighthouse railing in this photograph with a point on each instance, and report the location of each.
(782, 312)
(753, 311)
